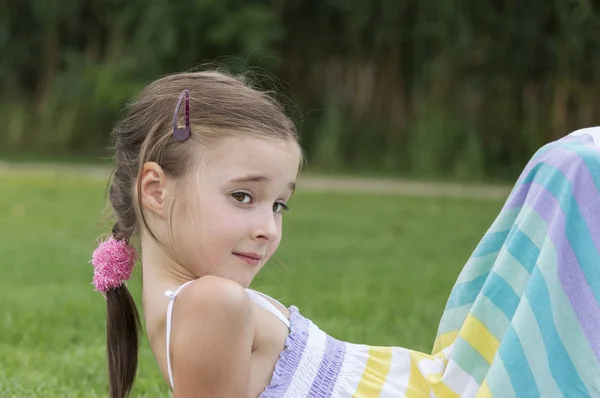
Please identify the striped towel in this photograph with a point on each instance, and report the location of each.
(523, 319)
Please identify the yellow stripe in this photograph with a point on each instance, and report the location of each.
(480, 338)
(484, 391)
(375, 373)
(444, 340)
(439, 388)
(417, 385)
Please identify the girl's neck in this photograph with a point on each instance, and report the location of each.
(159, 271)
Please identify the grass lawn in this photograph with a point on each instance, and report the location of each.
(366, 268)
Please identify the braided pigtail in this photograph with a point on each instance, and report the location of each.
(113, 261)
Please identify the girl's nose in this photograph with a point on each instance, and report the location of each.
(266, 227)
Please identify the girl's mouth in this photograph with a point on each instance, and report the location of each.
(249, 258)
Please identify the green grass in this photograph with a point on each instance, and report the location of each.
(366, 268)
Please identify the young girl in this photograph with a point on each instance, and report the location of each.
(204, 168)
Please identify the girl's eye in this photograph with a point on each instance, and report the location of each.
(242, 197)
(279, 207)
(246, 199)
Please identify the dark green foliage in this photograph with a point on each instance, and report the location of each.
(428, 88)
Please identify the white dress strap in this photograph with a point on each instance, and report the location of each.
(262, 300)
(171, 295)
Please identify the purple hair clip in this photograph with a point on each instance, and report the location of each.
(182, 133)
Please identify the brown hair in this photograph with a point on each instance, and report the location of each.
(220, 106)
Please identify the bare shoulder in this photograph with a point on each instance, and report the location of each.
(211, 293)
(212, 338)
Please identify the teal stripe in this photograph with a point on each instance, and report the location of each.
(469, 360)
(512, 271)
(534, 160)
(534, 226)
(453, 319)
(465, 293)
(501, 294)
(530, 336)
(564, 317)
(477, 266)
(521, 378)
(491, 316)
(505, 220)
(577, 230)
(533, 232)
(498, 380)
(544, 149)
(527, 250)
(491, 243)
(565, 375)
(539, 298)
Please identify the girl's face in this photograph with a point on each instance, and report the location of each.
(229, 222)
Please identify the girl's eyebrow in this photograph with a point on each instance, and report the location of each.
(260, 178)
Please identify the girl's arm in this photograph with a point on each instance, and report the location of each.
(212, 338)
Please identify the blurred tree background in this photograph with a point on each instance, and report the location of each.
(430, 89)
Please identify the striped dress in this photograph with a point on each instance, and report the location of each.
(522, 320)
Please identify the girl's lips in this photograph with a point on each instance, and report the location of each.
(249, 258)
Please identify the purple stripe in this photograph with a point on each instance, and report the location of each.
(329, 369)
(289, 357)
(582, 184)
(575, 285)
(585, 139)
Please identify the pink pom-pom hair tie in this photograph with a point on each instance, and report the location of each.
(113, 262)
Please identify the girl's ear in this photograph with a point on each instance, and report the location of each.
(154, 189)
